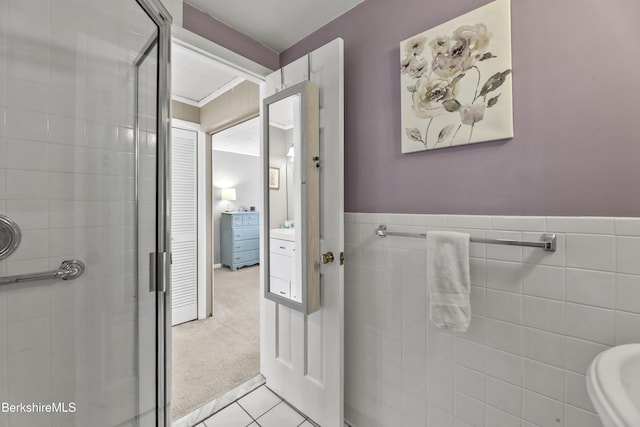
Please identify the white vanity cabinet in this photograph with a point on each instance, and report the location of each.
(282, 265)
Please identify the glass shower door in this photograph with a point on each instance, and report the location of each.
(82, 212)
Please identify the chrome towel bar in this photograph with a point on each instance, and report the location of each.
(68, 270)
(547, 241)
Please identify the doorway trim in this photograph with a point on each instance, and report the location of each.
(253, 72)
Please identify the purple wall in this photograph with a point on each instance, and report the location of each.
(576, 68)
(204, 25)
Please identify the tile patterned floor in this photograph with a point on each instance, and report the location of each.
(260, 408)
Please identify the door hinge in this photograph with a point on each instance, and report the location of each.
(341, 258)
(158, 271)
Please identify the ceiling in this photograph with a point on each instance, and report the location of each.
(242, 139)
(281, 113)
(196, 79)
(277, 24)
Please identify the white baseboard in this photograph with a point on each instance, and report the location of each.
(216, 266)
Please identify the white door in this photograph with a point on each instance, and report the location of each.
(184, 226)
(301, 356)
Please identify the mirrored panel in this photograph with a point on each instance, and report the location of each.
(291, 172)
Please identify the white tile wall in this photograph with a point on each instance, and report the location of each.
(69, 341)
(538, 320)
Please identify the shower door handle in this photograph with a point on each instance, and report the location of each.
(158, 271)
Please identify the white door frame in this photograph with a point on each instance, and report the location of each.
(231, 62)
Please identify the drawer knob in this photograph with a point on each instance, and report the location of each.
(328, 257)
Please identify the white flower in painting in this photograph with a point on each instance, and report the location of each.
(415, 46)
(473, 113)
(456, 54)
(415, 67)
(429, 95)
(476, 37)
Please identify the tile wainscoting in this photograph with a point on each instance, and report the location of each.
(538, 320)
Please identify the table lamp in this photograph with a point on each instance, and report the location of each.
(228, 194)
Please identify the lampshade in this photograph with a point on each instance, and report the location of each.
(228, 194)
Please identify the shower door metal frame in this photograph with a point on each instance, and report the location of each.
(162, 18)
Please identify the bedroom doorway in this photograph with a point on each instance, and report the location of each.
(215, 333)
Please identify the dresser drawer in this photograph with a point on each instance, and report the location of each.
(279, 287)
(239, 257)
(245, 245)
(282, 247)
(251, 219)
(236, 220)
(245, 233)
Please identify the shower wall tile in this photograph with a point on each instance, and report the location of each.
(627, 226)
(576, 417)
(580, 353)
(589, 287)
(496, 417)
(27, 95)
(29, 62)
(504, 396)
(3, 85)
(25, 124)
(594, 252)
(627, 249)
(27, 155)
(582, 225)
(544, 281)
(591, 323)
(544, 314)
(628, 293)
(627, 328)
(4, 4)
(33, 214)
(538, 320)
(27, 302)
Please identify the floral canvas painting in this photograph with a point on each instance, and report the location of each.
(456, 81)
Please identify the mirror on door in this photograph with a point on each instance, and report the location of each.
(291, 176)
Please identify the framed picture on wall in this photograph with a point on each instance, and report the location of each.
(274, 178)
(456, 81)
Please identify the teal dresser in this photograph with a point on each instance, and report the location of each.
(239, 239)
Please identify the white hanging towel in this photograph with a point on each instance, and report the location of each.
(448, 279)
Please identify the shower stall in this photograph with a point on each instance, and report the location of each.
(84, 131)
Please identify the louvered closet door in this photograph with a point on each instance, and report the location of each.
(184, 190)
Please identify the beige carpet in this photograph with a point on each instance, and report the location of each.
(213, 356)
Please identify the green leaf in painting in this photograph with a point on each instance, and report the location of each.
(486, 56)
(493, 101)
(456, 79)
(451, 105)
(414, 134)
(444, 133)
(494, 82)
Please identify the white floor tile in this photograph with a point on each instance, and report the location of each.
(281, 416)
(259, 401)
(231, 416)
(307, 424)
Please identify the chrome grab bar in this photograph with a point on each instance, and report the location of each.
(69, 270)
(548, 241)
